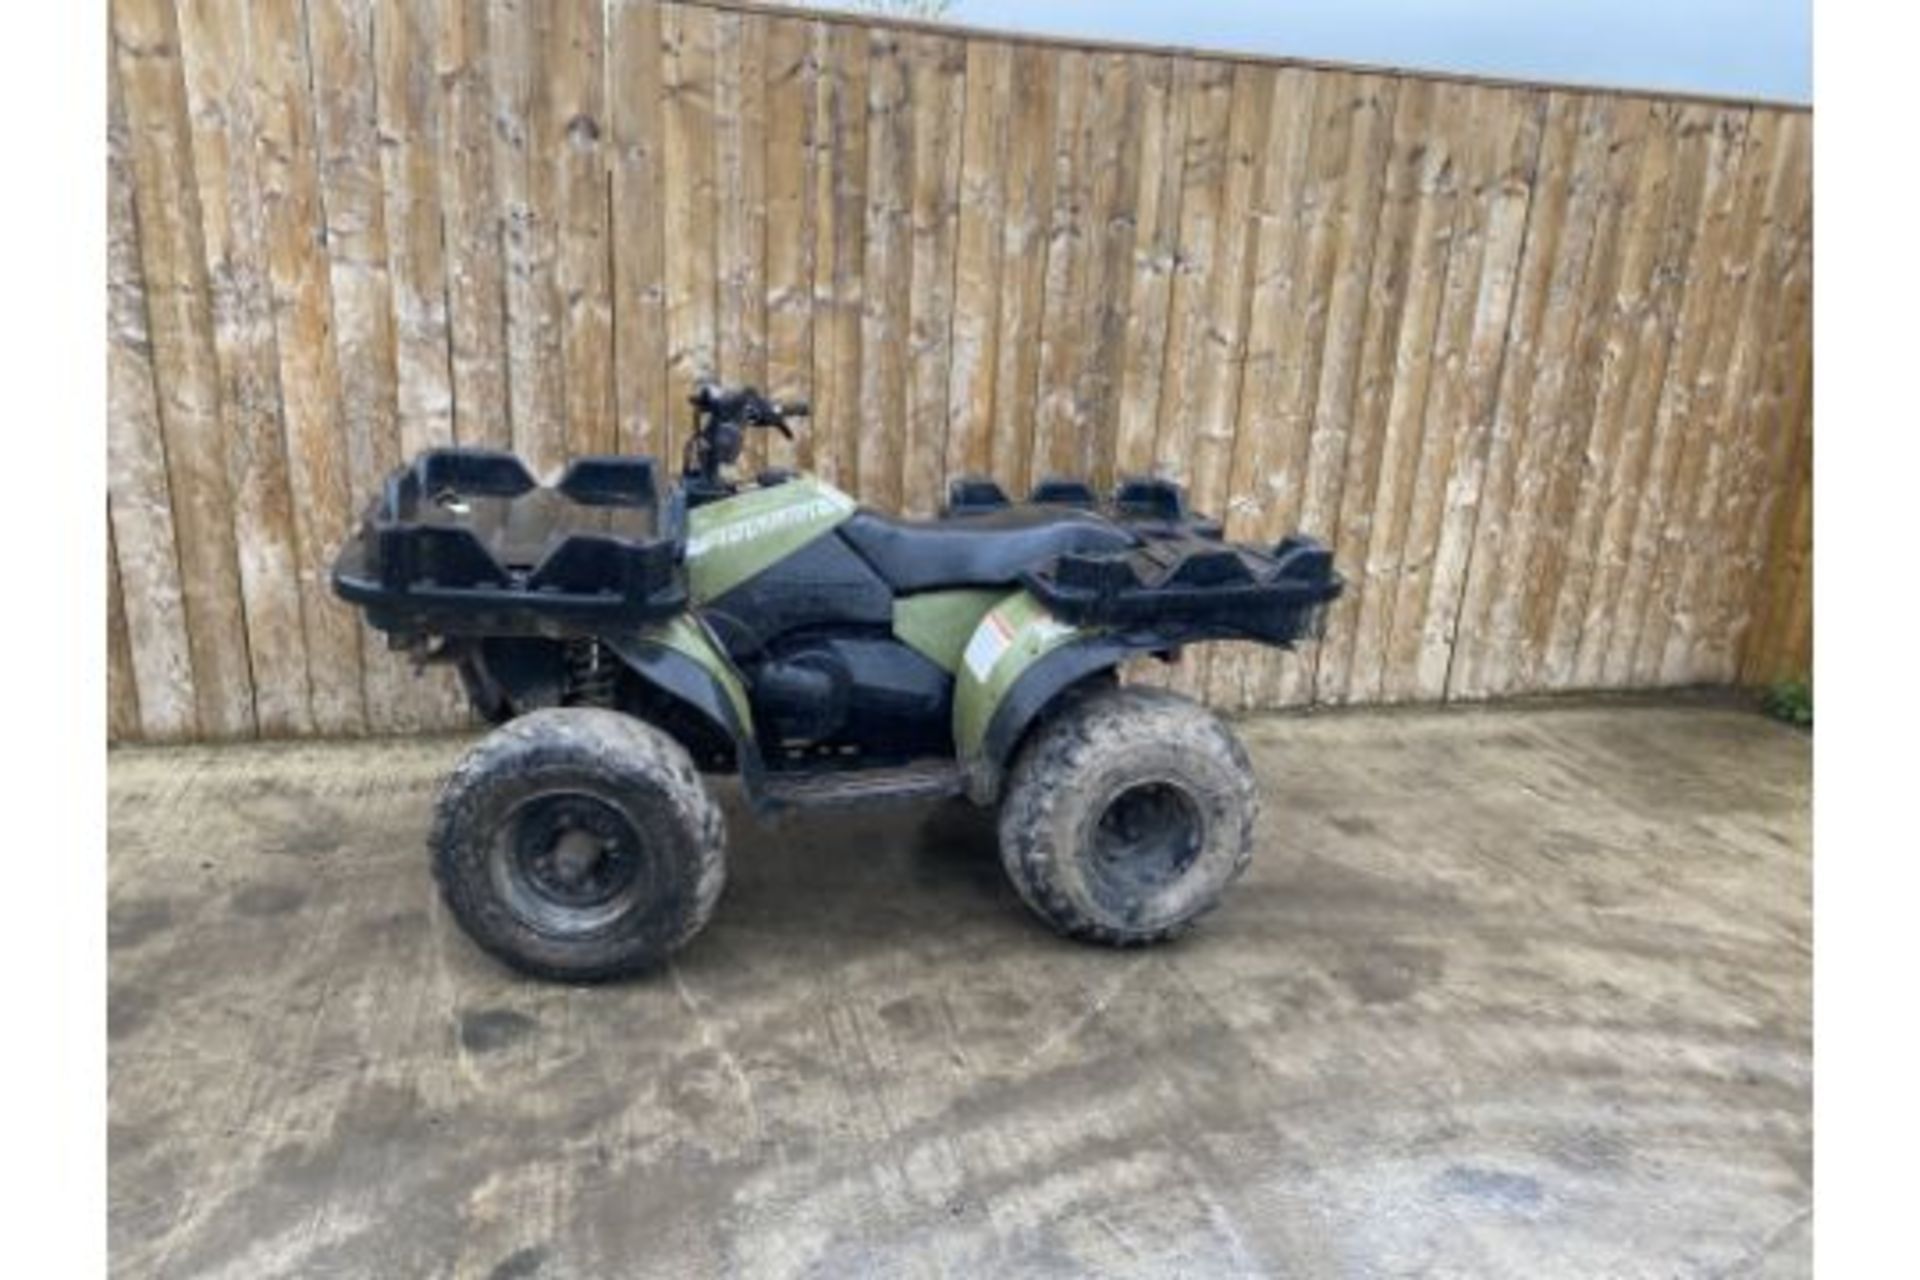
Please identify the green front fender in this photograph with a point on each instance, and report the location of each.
(679, 658)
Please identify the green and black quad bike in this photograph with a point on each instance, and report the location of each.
(626, 640)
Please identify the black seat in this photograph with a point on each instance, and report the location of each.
(986, 550)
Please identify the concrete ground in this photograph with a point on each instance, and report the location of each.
(1506, 993)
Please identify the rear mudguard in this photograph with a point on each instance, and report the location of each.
(1018, 660)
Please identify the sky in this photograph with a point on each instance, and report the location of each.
(1739, 48)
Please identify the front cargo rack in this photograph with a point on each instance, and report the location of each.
(467, 542)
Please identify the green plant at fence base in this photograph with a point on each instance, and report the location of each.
(1789, 700)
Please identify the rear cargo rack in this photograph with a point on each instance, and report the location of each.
(1183, 582)
(467, 542)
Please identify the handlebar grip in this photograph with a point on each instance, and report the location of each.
(793, 408)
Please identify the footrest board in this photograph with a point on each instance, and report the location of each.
(923, 780)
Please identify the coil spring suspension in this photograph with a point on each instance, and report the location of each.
(590, 675)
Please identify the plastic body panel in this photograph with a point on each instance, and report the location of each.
(731, 540)
(1012, 636)
(940, 623)
(822, 584)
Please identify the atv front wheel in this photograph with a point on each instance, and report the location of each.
(1127, 816)
(579, 844)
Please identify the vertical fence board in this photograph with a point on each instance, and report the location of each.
(937, 68)
(1754, 441)
(573, 148)
(139, 504)
(1216, 376)
(1293, 274)
(220, 111)
(977, 258)
(1030, 177)
(1781, 527)
(1688, 541)
(1120, 99)
(1642, 459)
(1535, 361)
(687, 79)
(1482, 281)
(1203, 168)
(1475, 642)
(1439, 365)
(1644, 593)
(1778, 645)
(185, 366)
(642, 400)
(1216, 361)
(1371, 106)
(791, 141)
(1237, 672)
(1056, 421)
(518, 33)
(475, 279)
(740, 212)
(340, 38)
(123, 692)
(309, 381)
(879, 419)
(1375, 494)
(840, 250)
(1617, 317)
(1796, 659)
(407, 132)
(1166, 92)
(408, 101)
(1578, 441)
(1544, 419)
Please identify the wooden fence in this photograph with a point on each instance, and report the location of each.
(1535, 360)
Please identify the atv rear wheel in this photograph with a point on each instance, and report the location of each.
(1127, 816)
(578, 844)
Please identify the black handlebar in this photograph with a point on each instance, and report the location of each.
(721, 413)
(745, 406)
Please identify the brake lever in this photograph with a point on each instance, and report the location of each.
(773, 413)
(784, 409)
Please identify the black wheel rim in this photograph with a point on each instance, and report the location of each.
(570, 863)
(1147, 837)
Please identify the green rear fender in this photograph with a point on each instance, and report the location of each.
(1016, 661)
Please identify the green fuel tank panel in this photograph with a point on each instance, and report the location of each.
(731, 540)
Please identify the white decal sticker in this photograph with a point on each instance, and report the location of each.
(991, 639)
